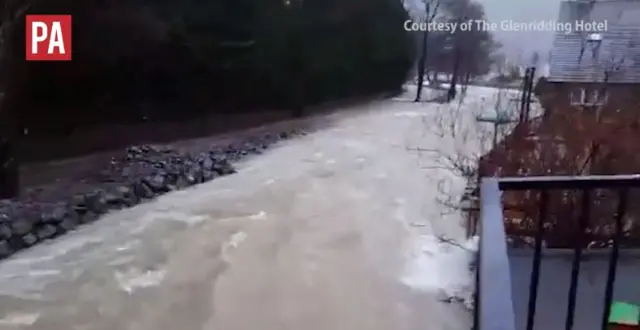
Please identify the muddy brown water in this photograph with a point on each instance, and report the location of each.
(333, 230)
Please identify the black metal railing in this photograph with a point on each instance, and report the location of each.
(494, 308)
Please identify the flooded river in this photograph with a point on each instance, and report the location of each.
(335, 230)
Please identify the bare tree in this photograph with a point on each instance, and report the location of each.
(430, 12)
(457, 58)
(535, 59)
(461, 141)
(472, 48)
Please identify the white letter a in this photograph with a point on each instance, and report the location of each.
(56, 39)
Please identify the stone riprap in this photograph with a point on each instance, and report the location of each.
(144, 172)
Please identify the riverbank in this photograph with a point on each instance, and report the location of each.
(136, 175)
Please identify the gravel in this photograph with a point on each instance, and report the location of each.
(143, 173)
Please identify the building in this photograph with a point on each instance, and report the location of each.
(593, 75)
(597, 67)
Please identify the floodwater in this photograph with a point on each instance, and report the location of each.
(334, 230)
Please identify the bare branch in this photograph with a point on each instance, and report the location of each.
(449, 241)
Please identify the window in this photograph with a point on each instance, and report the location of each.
(592, 97)
(578, 97)
(583, 97)
(599, 97)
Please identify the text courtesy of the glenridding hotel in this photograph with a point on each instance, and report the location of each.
(508, 26)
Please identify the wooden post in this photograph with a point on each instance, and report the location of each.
(523, 97)
(529, 91)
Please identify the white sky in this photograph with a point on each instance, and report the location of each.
(521, 43)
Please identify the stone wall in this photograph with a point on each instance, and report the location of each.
(144, 172)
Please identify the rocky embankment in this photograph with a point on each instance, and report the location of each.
(142, 173)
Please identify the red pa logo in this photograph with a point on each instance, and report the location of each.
(48, 38)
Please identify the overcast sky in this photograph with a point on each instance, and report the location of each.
(517, 44)
(523, 11)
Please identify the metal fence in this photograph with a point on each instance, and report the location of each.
(494, 302)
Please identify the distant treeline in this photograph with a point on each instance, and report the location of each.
(157, 60)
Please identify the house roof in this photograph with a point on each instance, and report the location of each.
(575, 59)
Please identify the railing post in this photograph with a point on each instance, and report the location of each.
(537, 258)
(496, 304)
(577, 258)
(613, 261)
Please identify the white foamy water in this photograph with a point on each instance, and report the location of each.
(334, 230)
(134, 279)
(441, 267)
(17, 320)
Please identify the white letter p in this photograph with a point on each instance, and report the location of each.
(39, 34)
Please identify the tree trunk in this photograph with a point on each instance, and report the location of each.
(423, 57)
(451, 94)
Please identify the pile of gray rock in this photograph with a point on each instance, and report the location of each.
(144, 172)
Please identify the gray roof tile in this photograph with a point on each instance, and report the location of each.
(618, 52)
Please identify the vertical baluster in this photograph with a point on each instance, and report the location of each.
(613, 261)
(537, 257)
(577, 254)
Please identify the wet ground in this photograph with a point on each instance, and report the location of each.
(334, 230)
